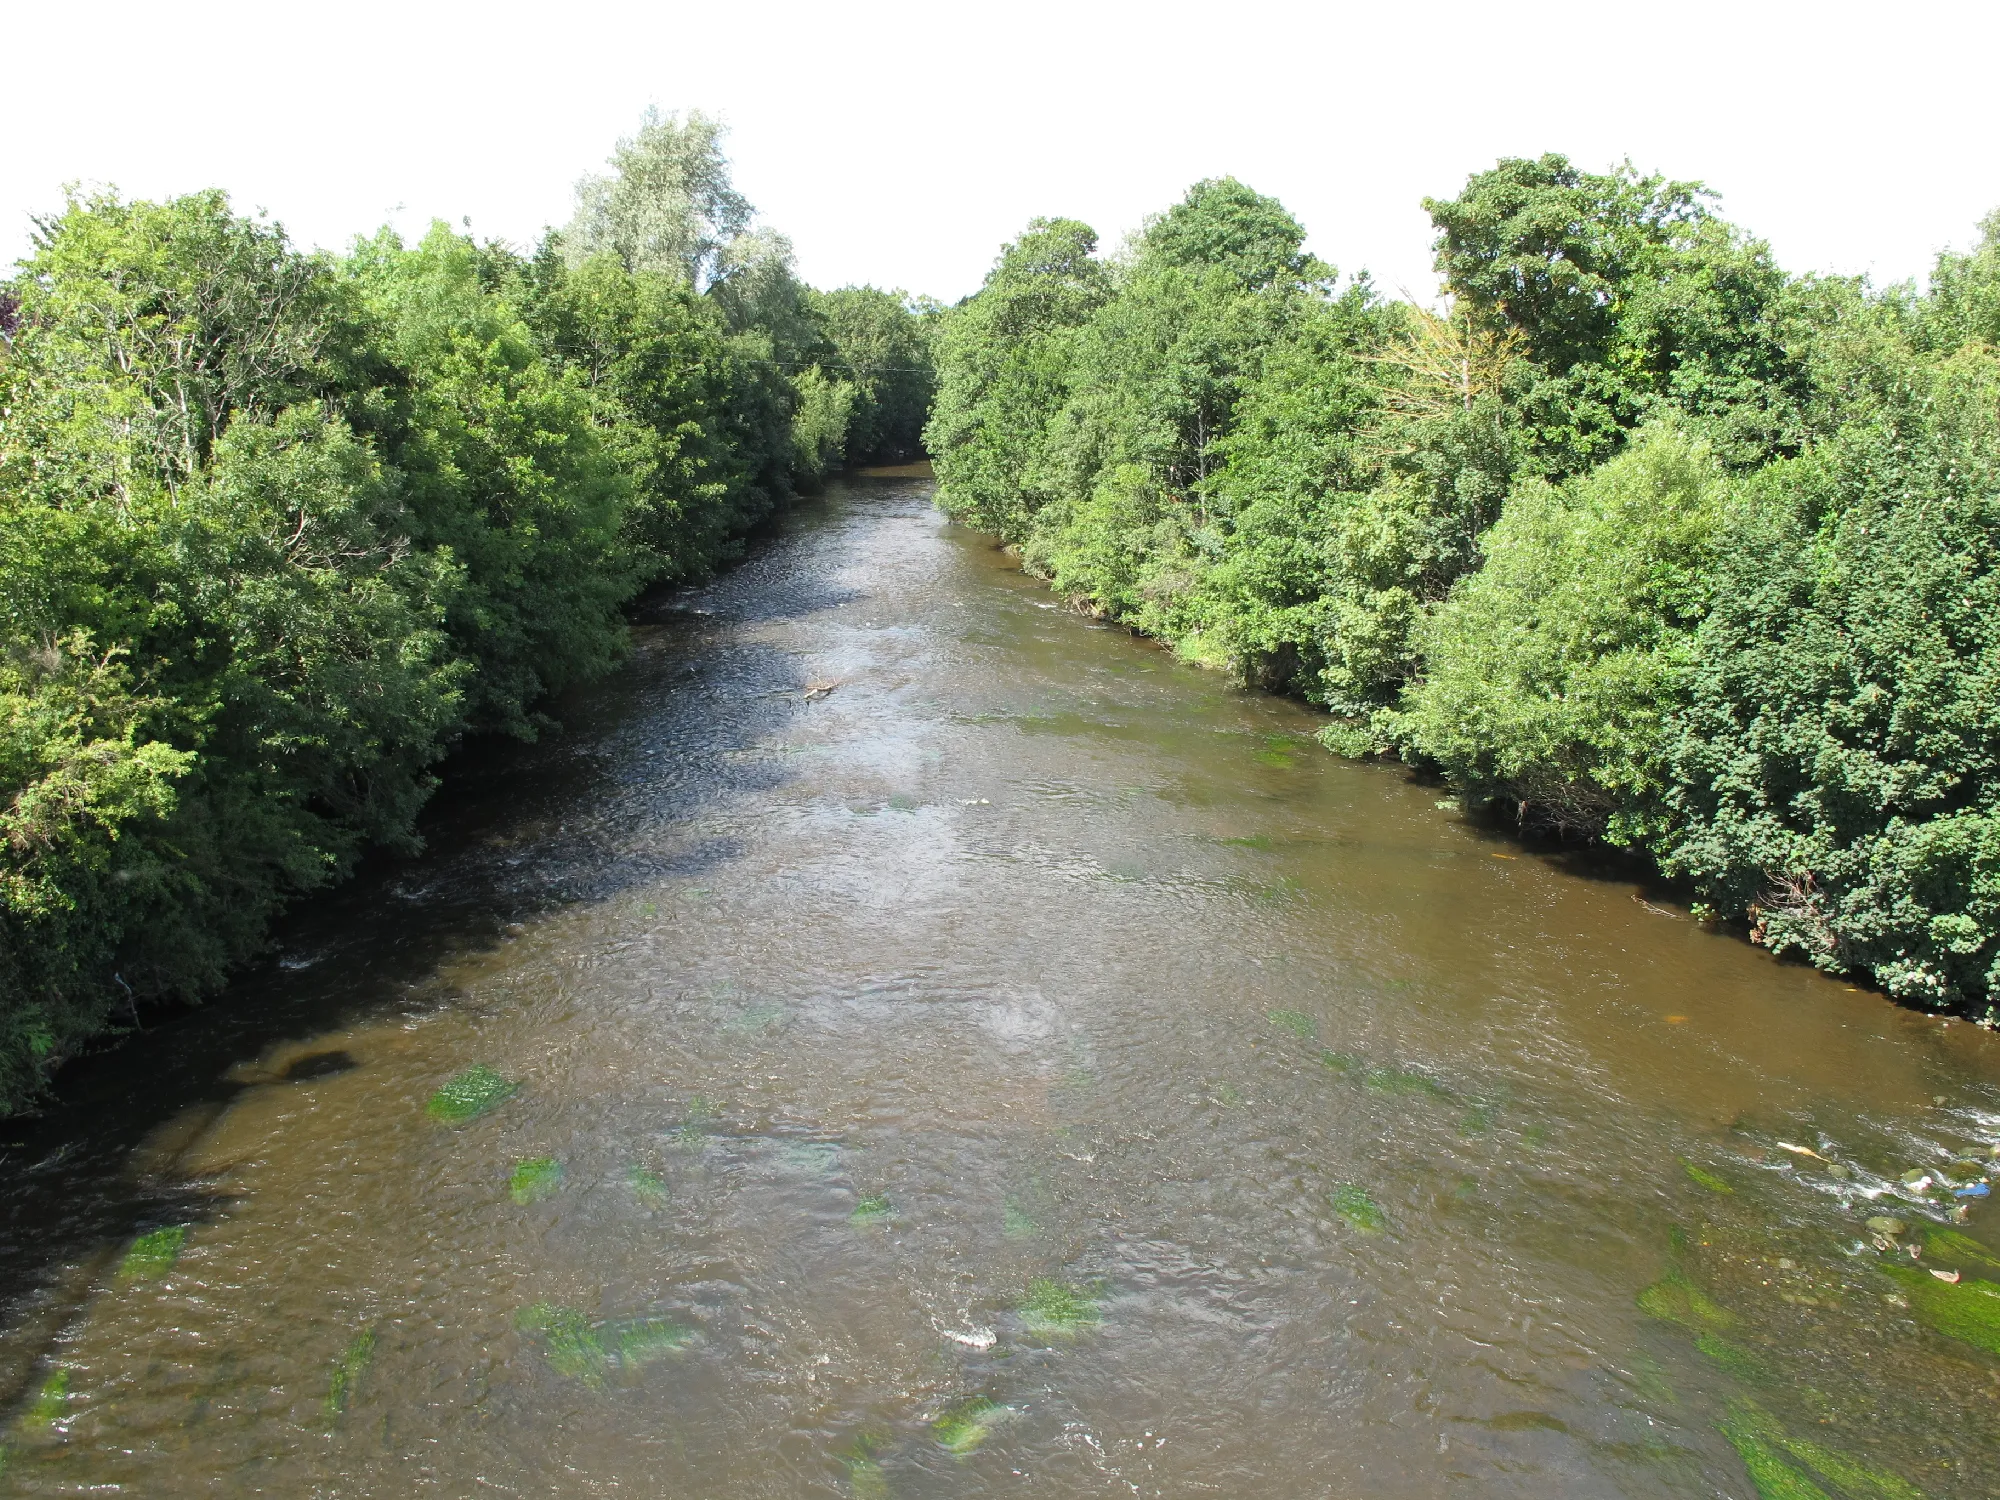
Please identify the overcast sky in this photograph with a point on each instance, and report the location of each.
(902, 143)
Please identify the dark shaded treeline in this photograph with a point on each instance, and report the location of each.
(277, 530)
(1637, 536)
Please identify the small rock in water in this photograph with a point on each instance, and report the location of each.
(976, 1338)
(1916, 1180)
(1884, 1224)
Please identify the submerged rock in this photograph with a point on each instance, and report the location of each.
(347, 1371)
(1968, 1311)
(586, 1351)
(1784, 1467)
(647, 1187)
(1058, 1307)
(1357, 1210)
(1960, 1247)
(1676, 1299)
(1297, 1022)
(153, 1253)
(1705, 1179)
(535, 1179)
(964, 1425)
(469, 1095)
(51, 1400)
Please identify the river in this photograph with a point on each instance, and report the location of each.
(936, 1045)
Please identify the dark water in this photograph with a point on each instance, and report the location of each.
(1332, 1145)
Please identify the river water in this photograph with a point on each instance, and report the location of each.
(959, 1050)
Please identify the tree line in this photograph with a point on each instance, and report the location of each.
(1635, 536)
(279, 529)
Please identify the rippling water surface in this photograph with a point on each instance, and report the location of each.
(956, 1050)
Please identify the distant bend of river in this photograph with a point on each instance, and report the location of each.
(902, 1039)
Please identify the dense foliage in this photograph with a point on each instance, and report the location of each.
(1639, 538)
(278, 529)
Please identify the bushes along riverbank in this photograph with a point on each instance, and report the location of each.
(1639, 536)
(278, 529)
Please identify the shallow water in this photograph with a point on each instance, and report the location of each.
(1030, 1063)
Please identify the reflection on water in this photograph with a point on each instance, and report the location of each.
(905, 1040)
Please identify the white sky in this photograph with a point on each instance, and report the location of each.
(902, 143)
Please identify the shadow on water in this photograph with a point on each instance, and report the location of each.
(96, 1167)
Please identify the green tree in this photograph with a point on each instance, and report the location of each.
(1549, 672)
(1005, 370)
(668, 205)
(1834, 770)
(882, 347)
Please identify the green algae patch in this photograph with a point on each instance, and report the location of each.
(1058, 1307)
(347, 1371)
(569, 1342)
(1404, 1081)
(811, 1158)
(1675, 1299)
(646, 1186)
(1393, 1080)
(1734, 1358)
(1952, 1245)
(1968, 1311)
(964, 1425)
(1704, 1179)
(51, 1400)
(1297, 1022)
(583, 1350)
(866, 1479)
(1353, 1206)
(1017, 1223)
(862, 1459)
(1279, 751)
(870, 1212)
(535, 1179)
(1478, 1119)
(693, 1132)
(637, 1342)
(469, 1095)
(1784, 1467)
(755, 1020)
(153, 1253)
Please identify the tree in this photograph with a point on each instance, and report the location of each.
(667, 206)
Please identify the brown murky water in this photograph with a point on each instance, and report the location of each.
(1028, 1065)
